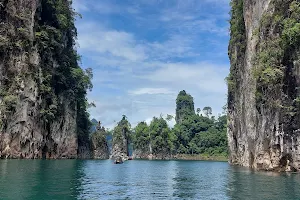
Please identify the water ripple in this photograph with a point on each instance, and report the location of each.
(138, 179)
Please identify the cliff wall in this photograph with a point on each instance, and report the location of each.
(263, 95)
(120, 140)
(42, 93)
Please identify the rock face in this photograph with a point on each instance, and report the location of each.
(263, 97)
(165, 156)
(138, 154)
(120, 140)
(119, 148)
(38, 112)
(142, 153)
(99, 144)
(148, 154)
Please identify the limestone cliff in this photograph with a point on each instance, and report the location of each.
(120, 140)
(42, 88)
(184, 106)
(264, 80)
(99, 143)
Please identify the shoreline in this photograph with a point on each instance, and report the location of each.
(188, 157)
(200, 157)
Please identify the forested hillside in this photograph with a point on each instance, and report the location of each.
(201, 134)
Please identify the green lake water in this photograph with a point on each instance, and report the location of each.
(137, 179)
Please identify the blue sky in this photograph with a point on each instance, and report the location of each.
(143, 52)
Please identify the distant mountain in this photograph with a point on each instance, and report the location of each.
(94, 126)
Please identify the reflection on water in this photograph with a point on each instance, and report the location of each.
(200, 180)
(39, 179)
(92, 179)
(247, 184)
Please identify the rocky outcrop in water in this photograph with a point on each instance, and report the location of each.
(120, 140)
(264, 80)
(42, 88)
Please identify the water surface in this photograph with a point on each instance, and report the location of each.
(137, 179)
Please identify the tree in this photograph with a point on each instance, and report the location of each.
(141, 138)
(192, 147)
(182, 149)
(198, 111)
(182, 136)
(161, 137)
(225, 110)
(200, 134)
(169, 117)
(207, 111)
(193, 135)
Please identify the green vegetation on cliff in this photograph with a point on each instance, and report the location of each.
(61, 74)
(122, 130)
(194, 134)
(121, 137)
(275, 62)
(278, 36)
(263, 85)
(99, 138)
(237, 46)
(99, 146)
(41, 63)
(184, 106)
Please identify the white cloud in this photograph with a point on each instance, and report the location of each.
(141, 91)
(122, 48)
(205, 76)
(140, 108)
(113, 43)
(80, 6)
(103, 7)
(191, 16)
(140, 78)
(177, 45)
